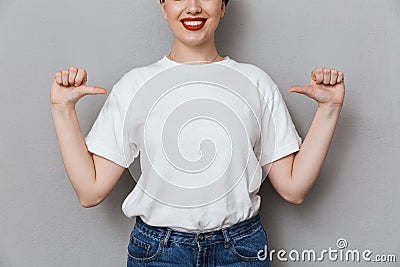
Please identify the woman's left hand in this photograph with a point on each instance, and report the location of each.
(326, 87)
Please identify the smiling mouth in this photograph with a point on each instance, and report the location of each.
(193, 25)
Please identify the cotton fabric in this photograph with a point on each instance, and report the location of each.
(241, 201)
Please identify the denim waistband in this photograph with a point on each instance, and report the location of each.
(224, 234)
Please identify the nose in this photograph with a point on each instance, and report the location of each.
(193, 6)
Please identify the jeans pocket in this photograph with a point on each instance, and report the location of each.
(251, 245)
(143, 248)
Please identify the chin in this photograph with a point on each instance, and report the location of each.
(194, 40)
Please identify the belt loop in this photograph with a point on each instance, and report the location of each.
(227, 238)
(166, 237)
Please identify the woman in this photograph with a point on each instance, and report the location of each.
(227, 232)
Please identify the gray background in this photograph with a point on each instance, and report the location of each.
(356, 196)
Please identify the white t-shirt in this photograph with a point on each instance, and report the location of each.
(244, 158)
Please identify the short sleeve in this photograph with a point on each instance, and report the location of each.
(106, 135)
(278, 137)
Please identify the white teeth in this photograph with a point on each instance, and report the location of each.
(193, 23)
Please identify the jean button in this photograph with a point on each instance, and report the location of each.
(200, 237)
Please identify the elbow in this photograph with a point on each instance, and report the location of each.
(292, 194)
(294, 199)
(91, 198)
(90, 203)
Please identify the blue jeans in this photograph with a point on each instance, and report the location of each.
(234, 246)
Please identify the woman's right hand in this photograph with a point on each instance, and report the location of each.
(69, 86)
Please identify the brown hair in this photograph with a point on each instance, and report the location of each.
(226, 1)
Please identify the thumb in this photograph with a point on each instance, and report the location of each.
(91, 90)
(305, 90)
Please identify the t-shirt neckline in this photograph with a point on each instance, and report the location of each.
(165, 58)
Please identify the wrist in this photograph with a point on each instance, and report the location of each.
(330, 106)
(329, 109)
(63, 107)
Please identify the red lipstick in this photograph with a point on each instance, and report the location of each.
(193, 24)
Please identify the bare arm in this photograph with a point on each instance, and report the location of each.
(92, 176)
(294, 175)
